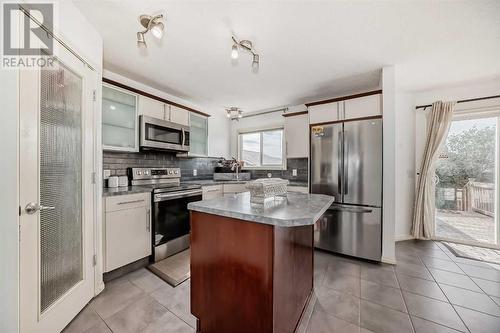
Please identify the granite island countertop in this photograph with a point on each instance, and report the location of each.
(296, 209)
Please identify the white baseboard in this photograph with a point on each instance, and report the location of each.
(399, 238)
(388, 261)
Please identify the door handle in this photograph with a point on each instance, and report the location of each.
(130, 202)
(345, 144)
(148, 220)
(351, 210)
(31, 208)
(340, 162)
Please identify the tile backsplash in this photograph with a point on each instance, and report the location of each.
(300, 164)
(118, 162)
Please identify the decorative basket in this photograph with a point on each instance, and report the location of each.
(266, 188)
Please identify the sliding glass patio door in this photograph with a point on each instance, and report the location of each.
(466, 178)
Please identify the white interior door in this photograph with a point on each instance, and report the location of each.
(56, 193)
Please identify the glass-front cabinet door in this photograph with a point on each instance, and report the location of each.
(119, 119)
(198, 136)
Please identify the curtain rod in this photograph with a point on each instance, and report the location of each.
(257, 113)
(461, 101)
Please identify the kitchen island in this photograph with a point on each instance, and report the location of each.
(252, 264)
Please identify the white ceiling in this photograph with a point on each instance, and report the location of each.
(309, 49)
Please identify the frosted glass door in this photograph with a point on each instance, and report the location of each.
(56, 192)
(60, 183)
(198, 137)
(119, 119)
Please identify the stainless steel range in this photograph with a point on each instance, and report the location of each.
(170, 214)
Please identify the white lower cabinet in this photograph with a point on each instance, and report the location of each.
(234, 188)
(211, 192)
(127, 229)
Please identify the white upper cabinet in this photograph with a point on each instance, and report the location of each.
(323, 113)
(156, 109)
(366, 106)
(297, 136)
(119, 119)
(178, 115)
(151, 107)
(360, 107)
(198, 135)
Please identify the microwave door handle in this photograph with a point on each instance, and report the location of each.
(183, 137)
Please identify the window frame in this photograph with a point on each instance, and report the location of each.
(281, 166)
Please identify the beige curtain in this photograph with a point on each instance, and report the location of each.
(438, 124)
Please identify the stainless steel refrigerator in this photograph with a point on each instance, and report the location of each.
(346, 162)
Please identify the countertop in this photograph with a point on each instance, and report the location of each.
(297, 209)
(108, 192)
(206, 182)
(112, 191)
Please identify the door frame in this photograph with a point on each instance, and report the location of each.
(91, 144)
(470, 115)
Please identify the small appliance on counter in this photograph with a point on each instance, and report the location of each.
(113, 181)
(122, 181)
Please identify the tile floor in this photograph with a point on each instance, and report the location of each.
(429, 290)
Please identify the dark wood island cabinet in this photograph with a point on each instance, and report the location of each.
(252, 265)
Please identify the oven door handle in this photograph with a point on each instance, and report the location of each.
(176, 195)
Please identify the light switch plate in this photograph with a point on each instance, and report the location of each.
(195, 172)
(294, 172)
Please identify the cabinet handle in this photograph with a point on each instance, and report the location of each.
(148, 224)
(212, 190)
(129, 202)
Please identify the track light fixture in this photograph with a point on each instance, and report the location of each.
(234, 113)
(150, 23)
(248, 46)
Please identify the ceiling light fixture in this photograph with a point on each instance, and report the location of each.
(248, 46)
(234, 113)
(150, 23)
(234, 52)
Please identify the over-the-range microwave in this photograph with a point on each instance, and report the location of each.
(161, 134)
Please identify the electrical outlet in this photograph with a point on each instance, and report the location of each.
(106, 174)
(294, 172)
(195, 172)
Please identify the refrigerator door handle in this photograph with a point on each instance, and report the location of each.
(351, 209)
(345, 172)
(340, 163)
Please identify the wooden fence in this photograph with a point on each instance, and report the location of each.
(475, 196)
(481, 197)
